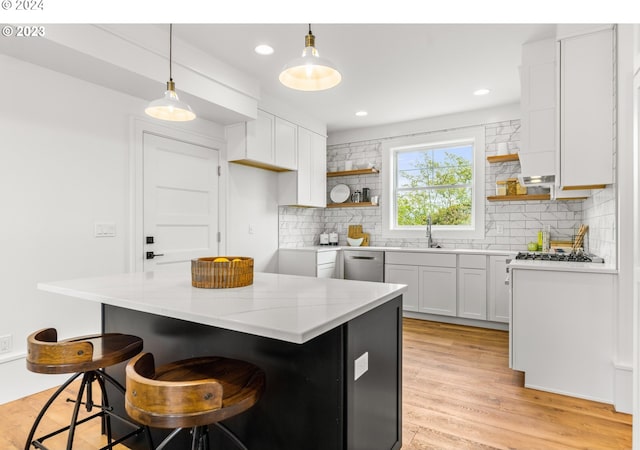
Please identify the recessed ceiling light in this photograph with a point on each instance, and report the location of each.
(481, 92)
(263, 49)
(361, 113)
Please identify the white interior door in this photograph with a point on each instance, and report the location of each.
(180, 202)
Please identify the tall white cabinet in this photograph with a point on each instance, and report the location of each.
(308, 185)
(587, 109)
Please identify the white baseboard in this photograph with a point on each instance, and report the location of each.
(623, 388)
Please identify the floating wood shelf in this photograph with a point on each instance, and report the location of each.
(345, 173)
(349, 205)
(503, 158)
(518, 198)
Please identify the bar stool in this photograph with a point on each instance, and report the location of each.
(192, 393)
(82, 356)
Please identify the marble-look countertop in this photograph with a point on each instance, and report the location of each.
(285, 307)
(457, 251)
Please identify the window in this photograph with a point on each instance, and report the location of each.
(438, 174)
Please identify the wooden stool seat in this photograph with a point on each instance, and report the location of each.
(85, 356)
(190, 393)
(45, 354)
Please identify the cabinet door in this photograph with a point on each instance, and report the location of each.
(326, 270)
(318, 171)
(586, 109)
(498, 301)
(408, 275)
(472, 290)
(260, 138)
(438, 290)
(286, 145)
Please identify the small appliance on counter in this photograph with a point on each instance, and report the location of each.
(333, 238)
(324, 238)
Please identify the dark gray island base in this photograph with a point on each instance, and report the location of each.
(312, 399)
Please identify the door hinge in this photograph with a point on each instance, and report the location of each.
(219, 170)
(219, 237)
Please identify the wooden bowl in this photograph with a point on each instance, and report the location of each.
(220, 272)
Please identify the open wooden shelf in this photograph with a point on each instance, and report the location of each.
(503, 158)
(518, 198)
(344, 173)
(349, 205)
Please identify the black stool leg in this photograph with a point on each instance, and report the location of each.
(86, 380)
(46, 407)
(231, 435)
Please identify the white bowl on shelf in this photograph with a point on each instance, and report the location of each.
(354, 242)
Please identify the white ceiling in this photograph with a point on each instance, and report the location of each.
(396, 72)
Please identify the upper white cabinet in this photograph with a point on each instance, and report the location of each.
(587, 109)
(268, 142)
(538, 108)
(308, 185)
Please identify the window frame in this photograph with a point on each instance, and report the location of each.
(475, 137)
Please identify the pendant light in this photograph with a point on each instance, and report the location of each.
(170, 107)
(310, 72)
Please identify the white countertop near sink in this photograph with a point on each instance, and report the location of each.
(461, 251)
(286, 307)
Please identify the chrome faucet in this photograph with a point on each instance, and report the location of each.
(429, 237)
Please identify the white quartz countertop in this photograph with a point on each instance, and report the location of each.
(462, 251)
(562, 266)
(285, 307)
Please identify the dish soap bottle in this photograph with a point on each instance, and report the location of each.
(546, 235)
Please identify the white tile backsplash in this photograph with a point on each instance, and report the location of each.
(519, 221)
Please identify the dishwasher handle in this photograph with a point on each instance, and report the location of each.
(368, 258)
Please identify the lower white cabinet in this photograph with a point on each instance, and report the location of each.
(472, 293)
(409, 275)
(470, 286)
(308, 262)
(498, 300)
(438, 290)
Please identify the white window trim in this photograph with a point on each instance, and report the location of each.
(476, 230)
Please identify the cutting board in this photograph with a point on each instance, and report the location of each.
(355, 232)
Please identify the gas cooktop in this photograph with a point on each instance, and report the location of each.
(563, 257)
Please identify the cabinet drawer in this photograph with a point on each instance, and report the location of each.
(472, 261)
(326, 257)
(421, 259)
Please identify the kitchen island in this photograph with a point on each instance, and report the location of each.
(331, 349)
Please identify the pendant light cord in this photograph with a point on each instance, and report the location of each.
(171, 50)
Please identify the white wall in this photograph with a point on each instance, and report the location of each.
(253, 203)
(64, 165)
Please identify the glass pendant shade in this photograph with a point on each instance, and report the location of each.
(170, 107)
(310, 72)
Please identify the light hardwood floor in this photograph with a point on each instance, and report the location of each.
(458, 393)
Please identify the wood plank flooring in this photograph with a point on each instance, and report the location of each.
(458, 393)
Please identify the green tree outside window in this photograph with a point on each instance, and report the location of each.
(436, 181)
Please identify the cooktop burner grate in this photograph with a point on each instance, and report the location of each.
(563, 257)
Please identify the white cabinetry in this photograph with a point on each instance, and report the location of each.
(586, 109)
(472, 286)
(269, 142)
(562, 335)
(308, 262)
(498, 300)
(436, 280)
(538, 108)
(408, 275)
(308, 185)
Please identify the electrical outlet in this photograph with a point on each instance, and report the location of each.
(5, 343)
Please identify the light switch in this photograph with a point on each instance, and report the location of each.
(361, 366)
(104, 229)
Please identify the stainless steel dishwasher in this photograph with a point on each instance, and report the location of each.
(363, 265)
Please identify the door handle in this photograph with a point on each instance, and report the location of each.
(151, 255)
